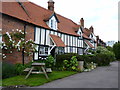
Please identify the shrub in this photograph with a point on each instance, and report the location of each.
(8, 70)
(116, 49)
(104, 56)
(102, 59)
(71, 64)
(50, 61)
(62, 57)
(19, 68)
(109, 48)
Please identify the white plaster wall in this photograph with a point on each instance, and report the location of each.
(68, 41)
(42, 36)
(73, 41)
(36, 54)
(65, 39)
(47, 37)
(37, 35)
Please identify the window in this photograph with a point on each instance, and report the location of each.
(51, 23)
(71, 49)
(43, 50)
(55, 25)
(61, 50)
(80, 51)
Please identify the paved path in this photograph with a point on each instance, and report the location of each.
(102, 77)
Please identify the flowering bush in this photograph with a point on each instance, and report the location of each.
(16, 41)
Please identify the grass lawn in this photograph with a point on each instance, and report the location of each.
(36, 80)
(0, 82)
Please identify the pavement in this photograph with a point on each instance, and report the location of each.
(101, 77)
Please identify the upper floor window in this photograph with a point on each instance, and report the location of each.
(52, 24)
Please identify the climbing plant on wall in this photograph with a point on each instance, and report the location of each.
(15, 40)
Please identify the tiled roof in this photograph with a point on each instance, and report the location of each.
(89, 44)
(87, 32)
(57, 40)
(36, 15)
(85, 36)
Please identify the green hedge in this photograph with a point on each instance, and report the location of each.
(68, 56)
(62, 57)
(8, 70)
(101, 59)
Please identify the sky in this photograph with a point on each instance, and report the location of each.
(101, 14)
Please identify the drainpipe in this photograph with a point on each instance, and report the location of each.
(23, 54)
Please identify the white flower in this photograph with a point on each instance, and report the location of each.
(18, 44)
(3, 54)
(25, 52)
(22, 39)
(6, 48)
(4, 44)
(18, 49)
(13, 30)
(20, 30)
(17, 29)
(13, 45)
(31, 40)
(26, 32)
(13, 41)
(4, 57)
(10, 51)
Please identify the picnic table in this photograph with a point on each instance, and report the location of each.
(41, 66)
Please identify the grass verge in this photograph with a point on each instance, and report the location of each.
(36, 80)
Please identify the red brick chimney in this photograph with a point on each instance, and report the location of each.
(51, 5)
(92, 29)
(82, 22)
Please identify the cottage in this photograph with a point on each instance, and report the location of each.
(51, 32)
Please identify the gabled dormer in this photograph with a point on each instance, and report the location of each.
(52, 21)
(92, 35)
(79, 32)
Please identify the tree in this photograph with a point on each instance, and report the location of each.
(116, 49)
(109, 48)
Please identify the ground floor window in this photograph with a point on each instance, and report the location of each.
(80, 51)
(71, 49)
(43, 50)
(61, 50)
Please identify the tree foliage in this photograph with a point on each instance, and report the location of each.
(116, 49)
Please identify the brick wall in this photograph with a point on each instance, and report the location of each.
(9, 23)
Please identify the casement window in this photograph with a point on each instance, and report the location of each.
(80, 51)
(55, 25)
(52, 24)
(71, 49)
(43, 50)
(61, 50)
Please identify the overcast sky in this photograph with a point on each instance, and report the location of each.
(101, 14)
